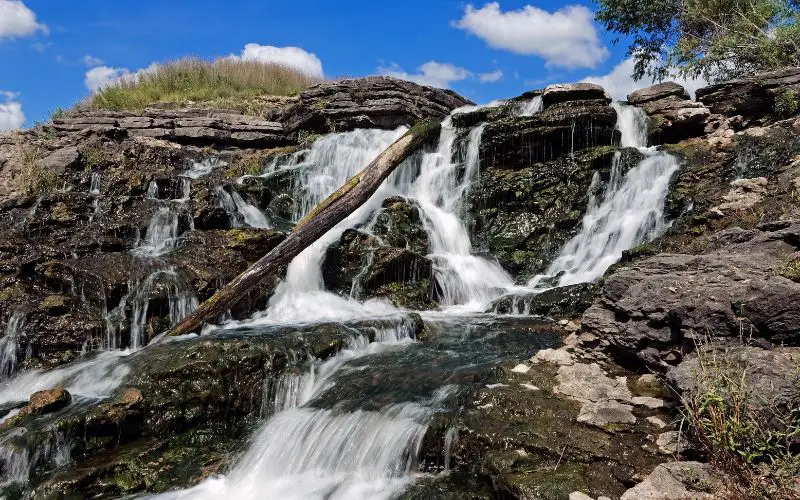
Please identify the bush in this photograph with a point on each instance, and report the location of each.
(193, 79)
(786, 102)
(745, 432)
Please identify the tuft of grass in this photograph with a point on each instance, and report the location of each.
(786, 102)
(791, 269)
(94, 157)
(194, 79)
(745, 433)
(35, 179)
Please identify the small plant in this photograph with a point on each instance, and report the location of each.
(35, 179)
(744, 432)
(94, 157)
(786, 102)
(58, 113)
(791, 269)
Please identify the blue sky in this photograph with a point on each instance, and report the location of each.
(483, 50)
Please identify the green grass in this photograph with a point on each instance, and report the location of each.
(199, 80)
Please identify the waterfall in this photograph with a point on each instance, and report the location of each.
(630, 212)
(180, 299)
(531, 107)
(161, 234)
(152, 191)
(8, 344)
(464, 278)
(203, 168)
(240, 212)
(94, 185)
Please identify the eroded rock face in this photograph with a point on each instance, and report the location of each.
(654, 308)
(752, 98)
(674, 117)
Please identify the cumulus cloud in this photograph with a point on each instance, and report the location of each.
(431, 73)
(565, 38)
(293, 57)
(619, 84)
(91, 60)
(103, 76)
(492, 77)
(17, 20)
(11, 115)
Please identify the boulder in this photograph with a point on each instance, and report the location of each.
(61, 159)
(555, 94)
(674, 117)
(655, 308)
(606, 413)
(676, 481)
(564, 302)
(753, 98)
(47, 401)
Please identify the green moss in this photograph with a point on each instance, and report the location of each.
(791, 270)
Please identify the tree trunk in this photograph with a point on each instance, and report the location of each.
(319, 221)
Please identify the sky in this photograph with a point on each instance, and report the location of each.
(55, 53)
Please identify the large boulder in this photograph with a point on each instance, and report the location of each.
(674, 117)
(753, 98)
(372, 102)
(555, 94)
(656, 308)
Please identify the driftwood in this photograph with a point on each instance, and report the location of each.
(320, 220)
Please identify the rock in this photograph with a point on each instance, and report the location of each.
(743, 195)
(657, 422)
(560, 302)
(648, 402)
(558, 357)
(555, 94)
(671, 443)
(372, 102)
(605, 413)
(589, 383)
(47, 401)
(653, 308)
(753, 97)
(60, 160)
(577, 495)
(675, 481)
(674, 117)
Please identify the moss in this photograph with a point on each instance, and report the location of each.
(61, 212)
(55, 302)
(94, 157)
(791, 270)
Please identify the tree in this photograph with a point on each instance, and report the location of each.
(716, 39)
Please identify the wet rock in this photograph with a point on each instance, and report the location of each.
(754, 97)
(674, 117)
(561, 302)
(46, 401)
(676, 481)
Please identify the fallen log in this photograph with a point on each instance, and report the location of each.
(319, 221)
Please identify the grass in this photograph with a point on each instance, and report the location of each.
(35, 179)
(191, 79)
(745, 433)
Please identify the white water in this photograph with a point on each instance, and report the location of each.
(241, 212)
(180, 297)
(8, 344)
(630, 211)
(203, 168)
(532, 107)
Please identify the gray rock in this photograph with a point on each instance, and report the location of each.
(674, 117)
(156, 133)
(656, 307)
(577, 495)
(201, 134)
(671, 442)
(61, 159)
(675, 481)
(136, 122)
(658, 92)
(606, 413)
(589, 383)
(559, 93)
(752, 98)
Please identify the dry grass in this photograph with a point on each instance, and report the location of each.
(199, 80)
(744, 432)
(35, 179)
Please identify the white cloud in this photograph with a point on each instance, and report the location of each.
(566, 37)
(91, 60)
(102, 76)
(17, 20)
(619, 83)
(11, 115)
(431, 73)
(293, 57)
(492, 77)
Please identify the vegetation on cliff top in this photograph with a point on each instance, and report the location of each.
(193, 79)
(716, 39)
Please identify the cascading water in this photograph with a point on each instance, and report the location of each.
(8, 344)
(180, 298)
(203, 168)
(630, 212)
(531, 107)
(239, 211)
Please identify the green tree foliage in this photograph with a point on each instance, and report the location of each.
(716, 39)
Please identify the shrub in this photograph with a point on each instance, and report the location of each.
(194, 79)
(786, 102)
(744, 432)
